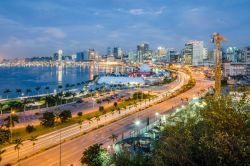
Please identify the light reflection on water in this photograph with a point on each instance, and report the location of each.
(52, 76)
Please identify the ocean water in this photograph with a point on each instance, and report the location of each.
(24, 78)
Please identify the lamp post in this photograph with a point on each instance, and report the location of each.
(156, 116)
(11, 124)
(60, 148)
(137, 124)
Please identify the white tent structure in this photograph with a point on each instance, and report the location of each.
(121, 80)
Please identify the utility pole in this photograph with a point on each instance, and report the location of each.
(60, 149)
(217, 40)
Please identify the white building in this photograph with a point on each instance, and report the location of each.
(194, 52)
(60, 52)
(205, 53)
(247, 54)
(234, 69)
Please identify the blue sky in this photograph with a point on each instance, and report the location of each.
(40, 27)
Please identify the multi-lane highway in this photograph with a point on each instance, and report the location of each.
(71, 150)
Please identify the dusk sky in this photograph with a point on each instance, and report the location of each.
(41, 27)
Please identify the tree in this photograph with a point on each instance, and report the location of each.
(79, 113)
(18, 91)
(95, 155)
(1, 152)
(80, 124)
(67, 86)
(47, 89)
(115, 104)
(19, 143)
(126, 159)
(38, 89)
(60, 87)
(7, 91)
(28, 91)
(217, 133)
(113, 137)
(48, 119)
(97, 117)
(4, 135)
(89, 119)
(30, 128)
(101, 108)
(33, 139)
(11, 120)
(65, 115)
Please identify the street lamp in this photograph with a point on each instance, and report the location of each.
(137, 124)
(11, 124)
(157, 115)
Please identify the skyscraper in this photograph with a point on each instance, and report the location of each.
(247, 54)
(234, 54)
(91, 54)
(60, 52)
(117, 52)
(193, 53)
(142, 52)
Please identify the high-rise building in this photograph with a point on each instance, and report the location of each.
(109, 51)
(162, 51)
(60, 52)
(91, 55)
(193, 53)
(143, 48)
(82, 56)
(142, 52)
(234, 54)
(205, 53)
(132, 57)
(73, 57)
(247, 54)
(173, 55)
(55, 56)
(118, 53)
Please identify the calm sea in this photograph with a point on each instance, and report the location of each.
(52, 76)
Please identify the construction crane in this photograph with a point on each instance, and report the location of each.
(217, 39)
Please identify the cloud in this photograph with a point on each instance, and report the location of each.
(50, 31)
(141, 11)
(136, 11)
(6, 21)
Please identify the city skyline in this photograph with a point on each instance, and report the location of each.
(40, 28)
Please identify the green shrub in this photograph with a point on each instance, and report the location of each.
(30, 128)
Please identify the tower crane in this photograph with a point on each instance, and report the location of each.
(217, 39)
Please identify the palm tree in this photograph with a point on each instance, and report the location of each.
(28, 91)
(74, 95)
(89, 119)
(47, 89)
(113, 137)
(97, 117)
(60, 87)
(7, 91)
(19, 143)
(80, 124)
(67, 86)
(18, 91)
(1, 152)
(33, 139)
(38, 89)
(1, 108)
(11, 120)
